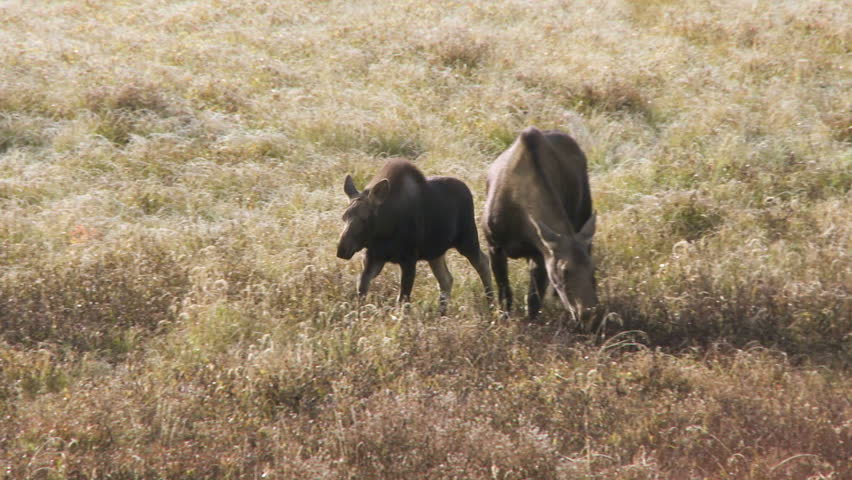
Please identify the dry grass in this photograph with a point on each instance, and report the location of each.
(170, 192)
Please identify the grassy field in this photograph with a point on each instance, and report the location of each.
(171, 185)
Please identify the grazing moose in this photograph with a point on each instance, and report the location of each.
(402, 217)
(539, 207)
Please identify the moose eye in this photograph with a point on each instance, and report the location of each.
(348, 215)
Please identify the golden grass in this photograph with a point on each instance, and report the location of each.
(170, 192)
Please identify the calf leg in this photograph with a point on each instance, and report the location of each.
(538, 286)
(480, 262)
(372, 267)
(500, 267)
(409, 268)
(445, 281)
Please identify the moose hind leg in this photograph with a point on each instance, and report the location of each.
(480, 263)
(445, 281)
(409, 268)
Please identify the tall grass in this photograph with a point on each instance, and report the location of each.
(170, 191)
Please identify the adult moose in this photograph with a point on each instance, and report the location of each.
(402, 217)
(539, 207)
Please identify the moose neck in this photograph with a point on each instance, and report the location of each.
(546, 209)
(540, 197)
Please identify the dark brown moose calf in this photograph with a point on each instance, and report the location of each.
(539, 207)
(402, 217)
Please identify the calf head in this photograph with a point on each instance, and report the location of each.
(570, 267)
(361, 216)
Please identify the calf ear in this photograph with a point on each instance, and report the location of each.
(546, 234)
(349, 187)
(379, 191)
(588, 231)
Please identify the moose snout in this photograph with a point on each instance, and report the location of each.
(583, 317)
(344, 251)
(587, 308)
(349, 242)
(588, 313)
(581, 309)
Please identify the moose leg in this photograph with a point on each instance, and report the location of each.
(538, 286)
(372, 267)
(408, 267)
(500, 267)
(445, 281)
(480, 263)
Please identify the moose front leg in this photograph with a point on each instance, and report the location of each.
(538, 286)
(372, 267)
(500, 268)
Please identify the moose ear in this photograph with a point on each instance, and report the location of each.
(549, 238)
(379, 192)
(349, 187)
(588, 231)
